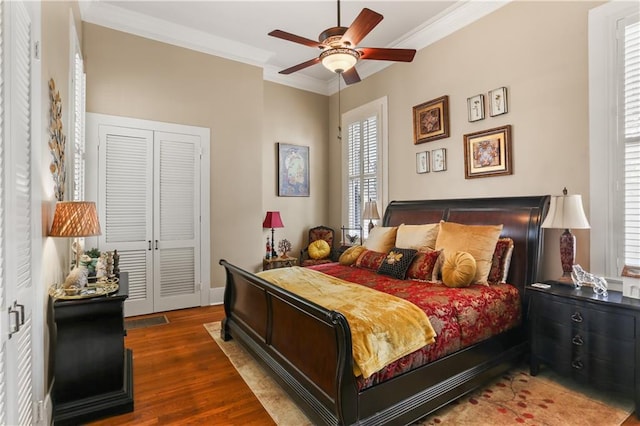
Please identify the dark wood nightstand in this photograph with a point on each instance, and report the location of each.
(93, 371)
(279, 262)
(593, 339)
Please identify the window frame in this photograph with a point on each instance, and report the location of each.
(76, 152)
(605, 146)
(379, 108)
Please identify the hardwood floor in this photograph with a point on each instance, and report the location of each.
(182, 377)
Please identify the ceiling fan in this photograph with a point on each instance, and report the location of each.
(339, 47)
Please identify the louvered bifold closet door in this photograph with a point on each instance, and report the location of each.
(17, 211)
(176, 221)
(125, 203)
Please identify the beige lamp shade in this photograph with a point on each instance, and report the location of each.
(75, 219)
(370, 211)
(566, 212)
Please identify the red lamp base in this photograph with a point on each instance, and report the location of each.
(567, 254)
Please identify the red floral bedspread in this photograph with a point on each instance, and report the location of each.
(460, 316)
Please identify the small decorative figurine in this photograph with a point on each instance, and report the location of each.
(268, 254)
(284, 246)
(77, 278)
(581, 277)
(116, 262)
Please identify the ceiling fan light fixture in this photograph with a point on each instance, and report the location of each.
(339, 59)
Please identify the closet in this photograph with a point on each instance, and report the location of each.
(152, 194)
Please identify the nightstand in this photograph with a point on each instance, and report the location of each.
(278, 262)
(593, 339)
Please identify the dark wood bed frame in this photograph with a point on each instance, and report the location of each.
(307, 348)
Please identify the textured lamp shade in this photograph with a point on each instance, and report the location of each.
(339, 59)
(566, 212)
(272, 220)
(75, 219)
(370, 213)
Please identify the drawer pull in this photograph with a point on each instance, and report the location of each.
(576, 317)
(577, 340)
(577, 364)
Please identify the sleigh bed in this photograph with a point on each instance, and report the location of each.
(308, 348)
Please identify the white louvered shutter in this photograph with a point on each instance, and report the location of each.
(3, 240)
(363, 170)
(631, 134)
(126, 208)
(17, 214)
(176, 221)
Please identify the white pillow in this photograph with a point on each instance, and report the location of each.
(417, 237)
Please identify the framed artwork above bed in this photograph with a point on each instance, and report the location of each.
(431, 120)
(488, 153)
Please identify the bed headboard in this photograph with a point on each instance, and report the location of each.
(520, 216)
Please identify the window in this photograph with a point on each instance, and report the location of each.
(614, 115)
(78, 94)
(364, 161)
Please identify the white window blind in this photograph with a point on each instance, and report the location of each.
(79, 84)
(363, 158)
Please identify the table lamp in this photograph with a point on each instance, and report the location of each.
(272, 220)
(370, 213)
(75, 219)
(566, 212)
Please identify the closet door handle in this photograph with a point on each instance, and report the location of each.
(149, 244)
(21, 309)
(156, 244)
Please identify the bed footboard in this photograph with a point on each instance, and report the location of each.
(305, 346)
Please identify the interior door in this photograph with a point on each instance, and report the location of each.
(125, 204)
(16, 213)
(176, 221)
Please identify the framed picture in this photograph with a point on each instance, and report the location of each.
(422, 162)
(431, 120)
(498, 101)
(475, 108)
(488, 153)
(293, 170)
(439, 159)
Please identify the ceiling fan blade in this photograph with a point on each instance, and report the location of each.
(351, 76)
(300, 66)
(294, 38)
(384, 54)
(361, 26)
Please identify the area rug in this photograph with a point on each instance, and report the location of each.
(133, 323)
(515, 398)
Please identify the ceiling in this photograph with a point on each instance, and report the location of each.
(238, 29)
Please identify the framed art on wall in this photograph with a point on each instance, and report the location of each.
(488, 153)
(475, 108)
(439, 159)
(431, 120)
(498, 101)
(293, 170)
(422, 162)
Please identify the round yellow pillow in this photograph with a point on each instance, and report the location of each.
(458, 269)
(319, 249)
(350, 255)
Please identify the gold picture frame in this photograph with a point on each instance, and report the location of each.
(488, 153)
(431, 120)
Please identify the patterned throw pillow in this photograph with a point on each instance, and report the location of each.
(422, 266)
(370, 259)
(397, 262)
(501, 261)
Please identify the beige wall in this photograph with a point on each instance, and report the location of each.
(296, 117)
(137, 77)
(538, 50)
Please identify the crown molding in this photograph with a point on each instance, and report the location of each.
(442, 25)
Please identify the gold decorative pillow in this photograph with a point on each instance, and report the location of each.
(417, 237)
(477, 240)
(350, 255)
(319, 249)
(458, 269)
(381, 238)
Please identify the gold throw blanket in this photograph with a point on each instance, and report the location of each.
(384, 328)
